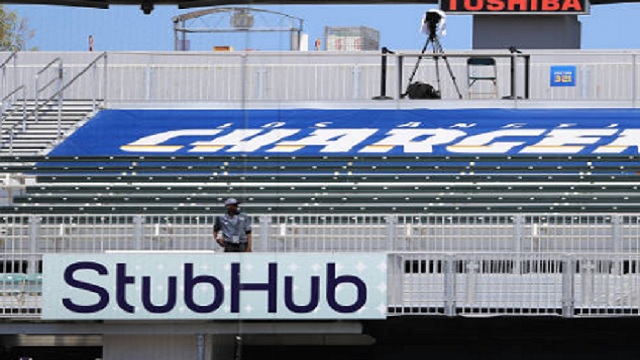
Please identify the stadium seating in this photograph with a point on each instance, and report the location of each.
(161, 184)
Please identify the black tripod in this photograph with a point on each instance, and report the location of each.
(438, 53)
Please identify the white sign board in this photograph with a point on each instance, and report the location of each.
(130, 286)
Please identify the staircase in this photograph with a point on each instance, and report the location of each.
(39, 137)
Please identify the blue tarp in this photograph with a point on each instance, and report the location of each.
(356, 132)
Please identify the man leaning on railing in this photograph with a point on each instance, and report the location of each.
(232, 230)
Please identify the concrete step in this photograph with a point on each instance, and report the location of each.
(29, 115)
(28, 133)
(42, 123)
(46, 121)
(53, 116)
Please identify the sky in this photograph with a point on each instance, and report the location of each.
(126, 28)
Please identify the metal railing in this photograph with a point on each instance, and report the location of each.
(57, 79)
(443, 284)
(9, 100)
(488, 233)
(481, 284)
(7, 109)
(477, 265)
(604, 77)
(12, 58)
(609, 78)
(98, 93)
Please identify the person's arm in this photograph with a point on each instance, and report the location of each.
(247, 230)
(216, 230)
(219, 240)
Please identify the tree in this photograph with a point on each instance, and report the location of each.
(14, 31)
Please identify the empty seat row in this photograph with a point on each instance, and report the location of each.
(326, 184)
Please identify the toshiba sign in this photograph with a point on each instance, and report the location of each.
(515, 6)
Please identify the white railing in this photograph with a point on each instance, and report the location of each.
(471, 265)
(493, 233)
(476, 265)
(601, 77)
(482, 284)
(523, 264)
(446, 284)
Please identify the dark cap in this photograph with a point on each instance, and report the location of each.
(231, 201)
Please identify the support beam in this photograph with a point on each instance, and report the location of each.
(186, 328)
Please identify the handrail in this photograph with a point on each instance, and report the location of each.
(21, 87)
(82, 72)
(73, 79)
(56, 60)
(58, 94)
(57, 79)
(6, 61)
(4, 115)
(3, 66)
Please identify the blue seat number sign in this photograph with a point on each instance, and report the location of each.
(563, 75)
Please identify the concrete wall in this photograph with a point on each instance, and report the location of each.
(166, 347)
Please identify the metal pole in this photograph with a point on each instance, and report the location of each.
(395, 287)
(294, 38)
(1, 121)
(15, 71)
(568, 287)
(184, 36)
(383, 75)
(34, 234)
(634, 80)
(514, 80)
(238, 349)
(265, 225)
(36, 98)
(400, 82)
(95, 86)
(243, 77)
(60, 76)
(449, 286)
(104, 80)
(4, 80)
(200, 344)
(24, 107)
(527, 74)
(518, 224)
(175, 36)
(138, 231)
(356, 82)
(586, 271)
(260, 72)
(512, 71)
(392, 220)
(616, 222)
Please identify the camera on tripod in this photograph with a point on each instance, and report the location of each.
(433, 22)
(430, 22)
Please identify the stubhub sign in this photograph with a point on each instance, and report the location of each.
(130, 286)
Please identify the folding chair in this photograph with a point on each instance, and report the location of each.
(482, 69)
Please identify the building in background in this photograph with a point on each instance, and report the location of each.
(359, 38)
